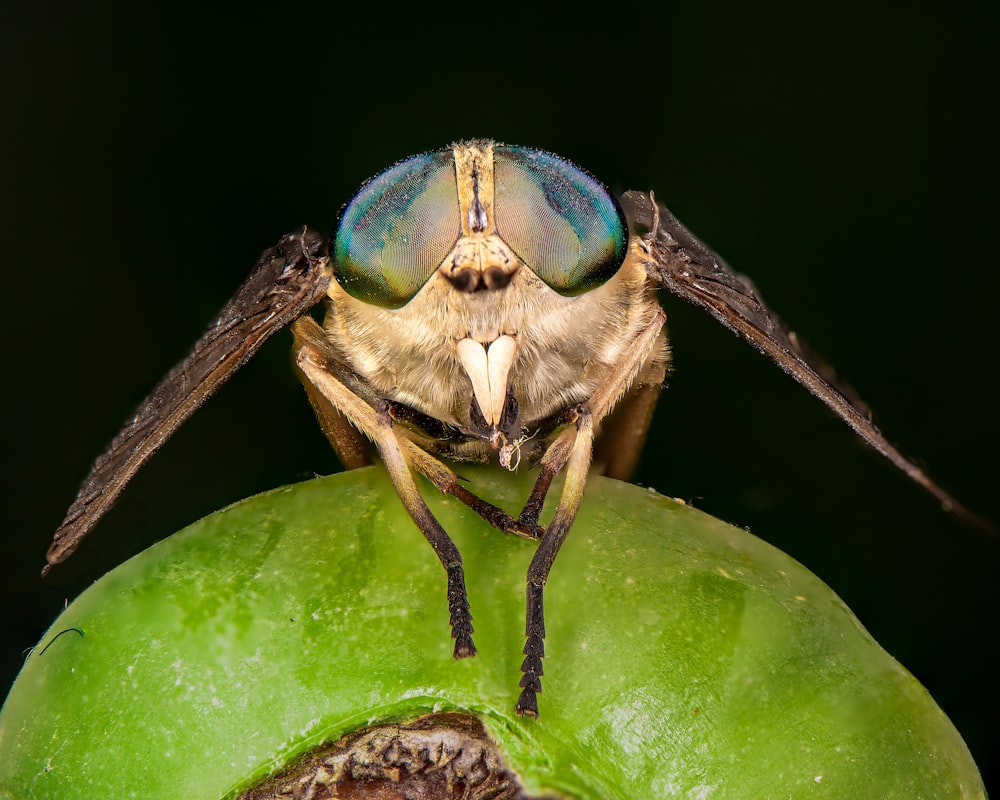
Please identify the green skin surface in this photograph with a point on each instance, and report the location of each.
(685, 657)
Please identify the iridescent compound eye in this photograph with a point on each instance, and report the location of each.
(397, 230)
(560, 221)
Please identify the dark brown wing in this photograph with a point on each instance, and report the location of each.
(287, 280)
(687, 268)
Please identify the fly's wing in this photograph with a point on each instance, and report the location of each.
(683, 265)
(287, 280)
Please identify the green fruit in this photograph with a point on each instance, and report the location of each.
(685, 657)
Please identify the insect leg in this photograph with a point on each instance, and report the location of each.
(344, 438)
(377, 425)
(541, 563)
(550, 465)
(349, 444)
(573, 447)
(624, 432)
(617, 449)
(449, 483)
(444, 547)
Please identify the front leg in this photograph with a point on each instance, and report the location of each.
(377, 426)
(444, 547)
(545, 555)
(574, 447)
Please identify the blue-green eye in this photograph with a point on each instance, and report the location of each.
(398, 229)
(561, 222)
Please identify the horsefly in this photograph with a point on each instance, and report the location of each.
(483, 301)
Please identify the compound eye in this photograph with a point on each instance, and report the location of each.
(563, 223)
(397, 230)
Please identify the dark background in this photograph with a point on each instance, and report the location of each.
(840, 155)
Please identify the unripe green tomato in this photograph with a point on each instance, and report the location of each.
(684, 657)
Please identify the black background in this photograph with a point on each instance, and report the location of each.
(840, 155)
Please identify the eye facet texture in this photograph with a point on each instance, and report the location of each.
(398, 229)
(563, 223)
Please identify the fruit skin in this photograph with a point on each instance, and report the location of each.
(684, 657)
